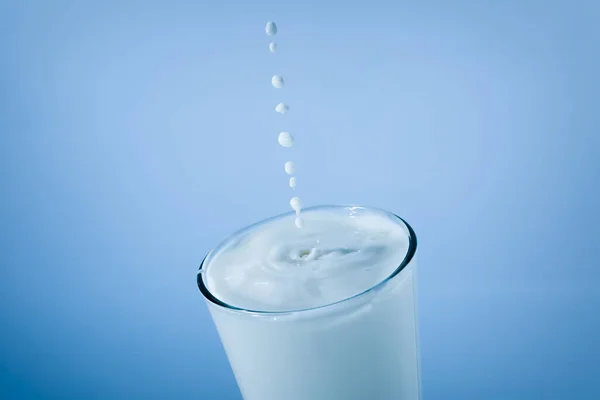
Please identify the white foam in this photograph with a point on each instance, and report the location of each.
(285, 139)
(277, 81)
(336, 255)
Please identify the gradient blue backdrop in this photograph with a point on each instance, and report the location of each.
(135, 135)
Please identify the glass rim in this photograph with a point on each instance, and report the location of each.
(412, 249)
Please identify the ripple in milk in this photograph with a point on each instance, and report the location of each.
(339, 253)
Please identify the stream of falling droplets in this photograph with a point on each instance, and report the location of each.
(285, 139)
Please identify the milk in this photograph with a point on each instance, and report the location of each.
(321, 312)
(282, 108)
(277, 81)
(289, 167)
(285, 139)
(271, 28)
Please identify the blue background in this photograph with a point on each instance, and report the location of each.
(136, 135)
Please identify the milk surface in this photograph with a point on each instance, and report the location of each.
(339, 253)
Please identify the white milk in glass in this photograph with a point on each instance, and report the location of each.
(323, 312)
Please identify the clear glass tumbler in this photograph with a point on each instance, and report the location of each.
(363, 347)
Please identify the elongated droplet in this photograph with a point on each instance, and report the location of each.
(282, 108)
(290, 167)
(299, 222)
(271, 28)
(285, 139)
(273, 47)
(277, 81)
(293, 182)
(296, 204)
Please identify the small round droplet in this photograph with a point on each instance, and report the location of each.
(271, 28)
(296, 204)
(293, 182)
(277, 81)
(273, 47)
(285, 139)
(282, 108)
(290, 167)
(299, 222)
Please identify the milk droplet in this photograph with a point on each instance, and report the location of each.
(296, 204)
(285, 139)
(273, 47)
(282, 108)
(277, 81)
(299, 222)
(290, 167)
(293, 182)
(271, 28)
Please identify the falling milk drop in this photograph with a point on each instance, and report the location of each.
(271, 28)
(290, 167)
(296, 204)
(285, 139)
(277, 81)
(282, 108)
